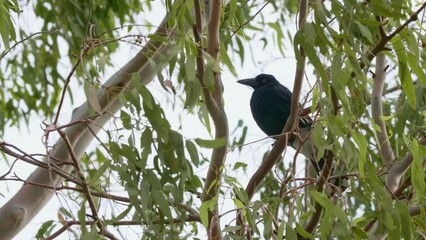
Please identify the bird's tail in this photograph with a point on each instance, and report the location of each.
(304, 142)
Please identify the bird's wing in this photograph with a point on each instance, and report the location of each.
(305, 122)
(285, 95)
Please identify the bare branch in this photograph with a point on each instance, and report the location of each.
(23, 40)
(385, 149)
(215, 107)
(29, 158)
(249, 20)
(75, 189)
(68, 80)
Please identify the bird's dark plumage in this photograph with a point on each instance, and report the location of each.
(270, 104)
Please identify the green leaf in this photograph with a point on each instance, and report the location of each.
(120, 216)
(319, 140)
(125, 120)
(303, 232)
(45, 229)
(193, 92)
(92, 97)
(238, 165)
(336, 69)
(93, 234)
(66, 212)
(225, 59)
(193, 153)
(362, 146)
(404, 72)
(82, 217)
(406, 222)
(216, 143)
(290, 234)
(322, 199)
(146, 96)
(128, 152)
(387, 219)
(279, 35)
(102, 61)
(231, 229)
(99, 173)
(209, 76)
(146, 137)
(204, 213)
(417, 169)
(134, 99)
(232, 9)
(162, 203)
(359, 232)
(365, 31)
(190, 68)
(238, 203)
(395, 231)
(302, 38)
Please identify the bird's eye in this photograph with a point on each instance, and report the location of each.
(264, 80)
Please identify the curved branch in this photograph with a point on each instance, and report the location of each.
(396, 170)
(84, 184)
(215, 107)
(385, 148)
(380, 46)
(416, 210)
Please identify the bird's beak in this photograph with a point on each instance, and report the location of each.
(249, 82)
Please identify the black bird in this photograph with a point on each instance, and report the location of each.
(270, 106)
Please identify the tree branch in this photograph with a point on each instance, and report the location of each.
(396, 170)
(215, 107)
(84, 184)
(29, 158)
(416, 210)
(385, 149)
(386, 38)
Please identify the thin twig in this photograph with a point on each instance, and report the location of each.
(248, 21)
(216, 110)
(28, 158)
(84, 184)
(22, 41)
(93, 193)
